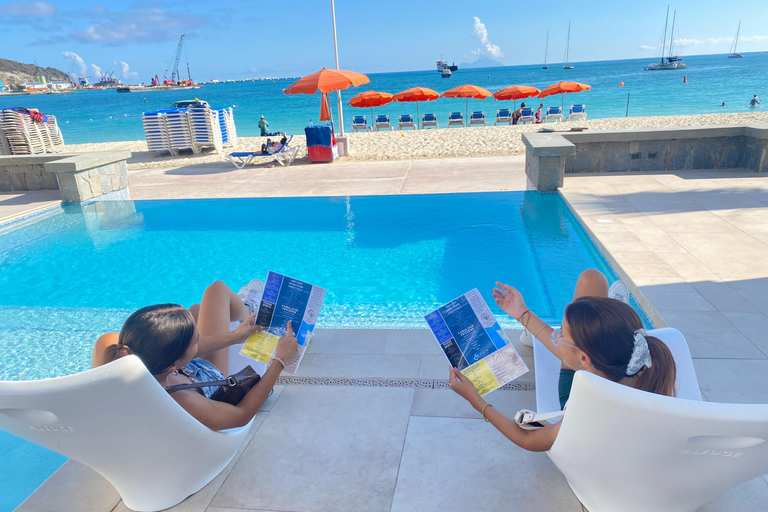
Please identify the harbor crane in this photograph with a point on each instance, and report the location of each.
(175, 77)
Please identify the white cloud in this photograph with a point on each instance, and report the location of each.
(150, 25)
(127, 73)
(77, 60)
(715, 43)
(481, 33)
(96, 70)
(29, 9)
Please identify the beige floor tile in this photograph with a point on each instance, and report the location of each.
(411, 341)
(650, 270)
(400, 366)
(445, 403)
(474, 459)
(733, 380)
(662, 284)
(723, 297)
(688, 267)
(638, 256)
(73, 487)
(754, 326)
(324, 449)
(434, 367)
(692, 222)
(755, 291)
(678, 301)
(349, 341)
(729, 255)
(721, 345)
(698, 321)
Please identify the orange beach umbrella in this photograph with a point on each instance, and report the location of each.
(370, 99)
(466, 91)
(562, 88)
(515, 92)
(325, 108)
(417, 94)
(325, 81)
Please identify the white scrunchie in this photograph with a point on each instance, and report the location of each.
(641, 355)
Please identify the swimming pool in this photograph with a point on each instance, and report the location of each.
(69, 275)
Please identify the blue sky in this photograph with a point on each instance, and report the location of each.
(240, 39)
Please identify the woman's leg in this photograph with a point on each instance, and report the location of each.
(591, 283)
(219, 306)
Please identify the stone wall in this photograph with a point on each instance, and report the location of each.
(77, 187)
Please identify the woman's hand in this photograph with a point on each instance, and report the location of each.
(287, 345)
(462, 386)
(247, 327)
(510, 300)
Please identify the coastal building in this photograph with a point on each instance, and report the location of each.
(34, 86)
(59, 85)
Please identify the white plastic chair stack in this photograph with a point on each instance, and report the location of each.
(21, 133)
(205, 128)
(156, 132)
(54, 133)
(228, 131)
(118, 420)
(179, 133)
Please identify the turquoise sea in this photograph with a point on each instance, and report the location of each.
(106, 116)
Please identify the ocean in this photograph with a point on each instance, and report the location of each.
(106, 116)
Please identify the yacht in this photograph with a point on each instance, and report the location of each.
(733, 54)
(446, 72)
(566, 65)
(546, 47)
(441, 65)
(672, 61)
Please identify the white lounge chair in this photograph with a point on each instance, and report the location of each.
(477, 118)
(503, 115)
(406, 121)
(554, 114)
(455, 119)
(577, 112)
(283, 156)
(382, 122)
(429, 121)
(629, 450)
(118, 420)
(526, 116)
(360, 123)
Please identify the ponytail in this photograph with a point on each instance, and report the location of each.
(660, 377)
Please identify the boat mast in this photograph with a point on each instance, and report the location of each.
(546, 47)
(672, 35)
(567, 44)
(736, 42)
(664, 39)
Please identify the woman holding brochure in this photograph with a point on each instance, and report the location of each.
(600, 335)
(187, 346)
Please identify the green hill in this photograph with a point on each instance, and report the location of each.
(27, 72)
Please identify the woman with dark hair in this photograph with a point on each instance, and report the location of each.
(600, 335)
(183, 346)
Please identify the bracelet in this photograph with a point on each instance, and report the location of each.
(522, 316)
(542, 328)
(279, 361)
(483, 412)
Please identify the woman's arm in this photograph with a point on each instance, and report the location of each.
(220, 415)
(212, 343)
(539, 440)
(511, 301)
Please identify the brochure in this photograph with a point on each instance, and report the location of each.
(284, 299)
(473, 342)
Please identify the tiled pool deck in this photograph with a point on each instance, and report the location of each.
(694, 243)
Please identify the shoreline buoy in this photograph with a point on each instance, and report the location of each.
(621, 84)
(685, 79)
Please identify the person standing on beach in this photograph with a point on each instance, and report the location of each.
(755, 102)
(263, 125)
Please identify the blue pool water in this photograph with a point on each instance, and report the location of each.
(70, 275)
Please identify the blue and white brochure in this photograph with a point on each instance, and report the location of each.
(473, 342)
(284, 299)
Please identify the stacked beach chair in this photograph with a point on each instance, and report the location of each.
(156, 131)
(205, 127)
(21, 135)
(228, 130)
(189, 128)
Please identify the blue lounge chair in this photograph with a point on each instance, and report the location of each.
(406, 121)
(284, 156)
(360, 123)
(382, 121)
(428, 121)
(554, 113)
(503, 115)
(577, 112)
(456, 118)
(477, 118)
(526, 116)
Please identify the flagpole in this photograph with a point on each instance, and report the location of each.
(336, 53)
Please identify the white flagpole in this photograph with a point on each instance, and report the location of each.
(336, 52)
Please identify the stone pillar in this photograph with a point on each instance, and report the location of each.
(545, 159)
(91, 175)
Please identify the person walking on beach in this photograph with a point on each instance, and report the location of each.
(755, 102)
(263, 125)
(517, 113)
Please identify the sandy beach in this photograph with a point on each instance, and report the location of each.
(406, 145)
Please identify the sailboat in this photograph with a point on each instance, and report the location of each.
(672, 61)
(733, 54)
(567, 45)
(546, 47)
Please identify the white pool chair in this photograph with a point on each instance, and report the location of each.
(456, 119)
(577, 112)
(118, 420)
(477, 118)
(554, 114)
(283, 156)
(406, 121)
(429, 121)
(503, 115)
(382, 122)
(624, 449)
(360, 123)
(526, 116)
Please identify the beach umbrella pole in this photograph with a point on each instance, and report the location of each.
(418, 121)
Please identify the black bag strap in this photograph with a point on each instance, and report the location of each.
(226, 382)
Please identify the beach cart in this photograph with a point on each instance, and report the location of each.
(321, 144)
